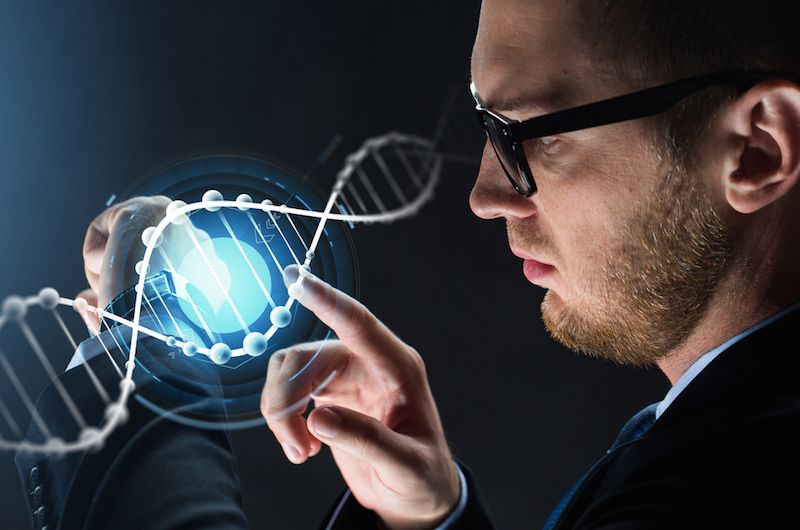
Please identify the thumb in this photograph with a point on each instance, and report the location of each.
(361, 436)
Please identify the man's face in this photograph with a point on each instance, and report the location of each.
(627, 243)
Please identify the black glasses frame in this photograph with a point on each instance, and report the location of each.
(506, 136)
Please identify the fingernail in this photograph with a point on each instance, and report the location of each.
(292, 453)
(290, 274)
(296, 290)
(326, 423)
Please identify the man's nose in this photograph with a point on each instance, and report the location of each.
(493, 195)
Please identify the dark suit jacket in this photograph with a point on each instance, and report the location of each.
(723, 455)
(152, 473)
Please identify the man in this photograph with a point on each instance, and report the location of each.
(664, 238)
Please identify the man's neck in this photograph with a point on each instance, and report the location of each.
(760, 282)
(730, 313)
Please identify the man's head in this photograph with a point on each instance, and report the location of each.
(638, 227)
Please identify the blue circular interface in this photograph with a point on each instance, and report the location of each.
(229, 287)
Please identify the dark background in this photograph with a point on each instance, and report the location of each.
(94, 94)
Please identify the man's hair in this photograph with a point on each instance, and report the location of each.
(657, 41)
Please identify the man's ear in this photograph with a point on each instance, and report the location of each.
(763, 162)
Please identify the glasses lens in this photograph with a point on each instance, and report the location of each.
(508, 157)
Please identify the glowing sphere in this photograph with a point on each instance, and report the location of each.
(296, 290)
(190, 349)
(242, 199)
(80, 305)
(48, 298)
(117, 412)
(171, 342)
(91, 436)
(149, 237)
(141, 266)
(255, 344)
(220, 353)
(54, 445)
(172, 207)
(212, 196)
(280, 317)
(88, 434)
(15, 308)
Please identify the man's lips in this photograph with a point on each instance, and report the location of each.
(535, 271)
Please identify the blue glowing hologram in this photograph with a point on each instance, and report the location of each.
(228, 320)
(236, 294)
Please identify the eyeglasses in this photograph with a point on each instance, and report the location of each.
(506, 136)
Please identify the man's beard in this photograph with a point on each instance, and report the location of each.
(657, 281)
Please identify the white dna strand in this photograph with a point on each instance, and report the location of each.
(388, 178)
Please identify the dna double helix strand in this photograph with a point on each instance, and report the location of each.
(388, 178)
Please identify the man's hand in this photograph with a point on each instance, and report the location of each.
(376, 411)
(113, 245)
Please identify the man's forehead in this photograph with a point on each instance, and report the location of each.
(528, 55)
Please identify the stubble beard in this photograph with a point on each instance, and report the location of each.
(656, 283)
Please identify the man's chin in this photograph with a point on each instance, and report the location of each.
(559, 320)
(554, 309)
(576, 330)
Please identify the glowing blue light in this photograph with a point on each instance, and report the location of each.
(232, 281)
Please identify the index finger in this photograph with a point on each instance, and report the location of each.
(353, 323)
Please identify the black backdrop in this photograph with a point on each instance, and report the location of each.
(93, 94)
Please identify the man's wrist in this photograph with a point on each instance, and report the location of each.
(435, 522)
(456, 513)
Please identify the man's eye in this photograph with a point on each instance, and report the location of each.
(546, 145)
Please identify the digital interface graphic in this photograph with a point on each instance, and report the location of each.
(210, 304)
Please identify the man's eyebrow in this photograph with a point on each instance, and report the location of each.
(474, 91)
(529, 102)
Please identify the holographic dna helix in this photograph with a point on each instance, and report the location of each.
(360, 195)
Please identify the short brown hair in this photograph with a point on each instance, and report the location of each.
(657, 41)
